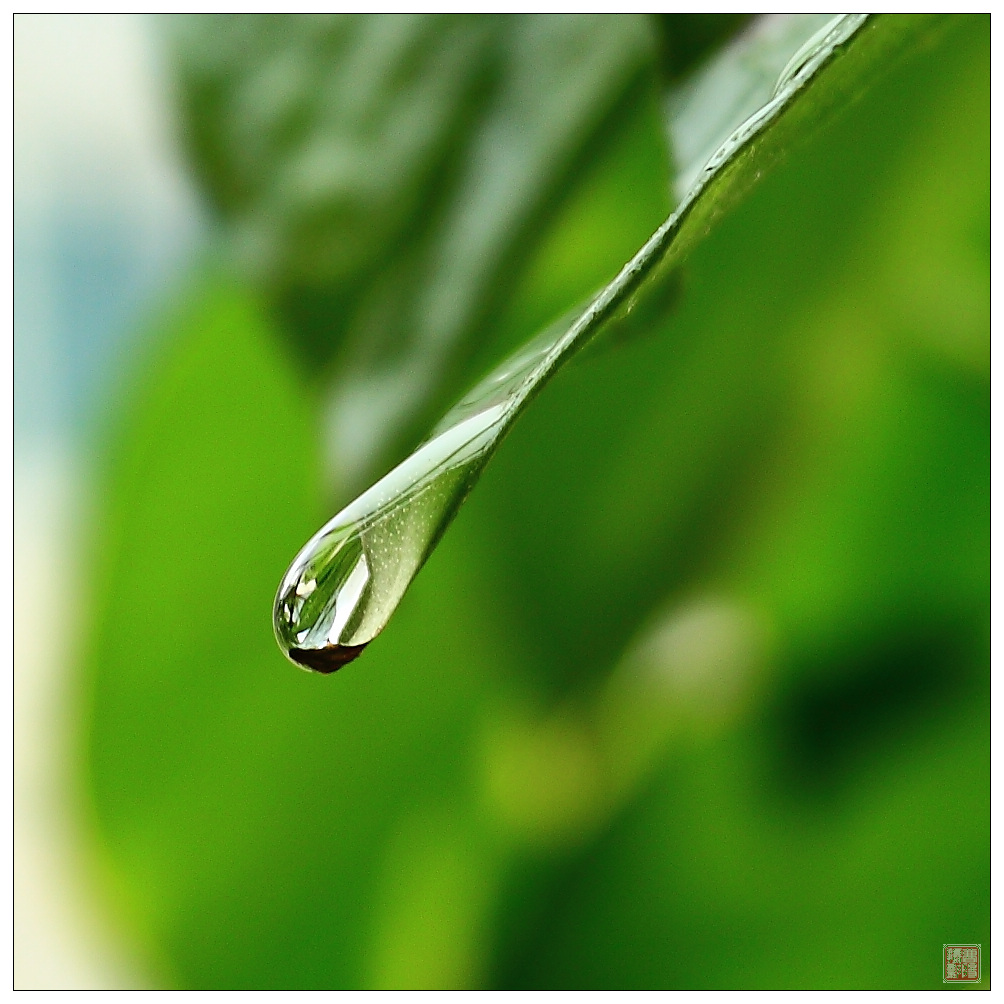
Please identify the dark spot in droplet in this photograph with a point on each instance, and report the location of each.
(325, 660)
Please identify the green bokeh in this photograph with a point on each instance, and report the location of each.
(805, 439)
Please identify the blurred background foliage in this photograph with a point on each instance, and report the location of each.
(695, 691)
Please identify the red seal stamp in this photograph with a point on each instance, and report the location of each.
(961, 963)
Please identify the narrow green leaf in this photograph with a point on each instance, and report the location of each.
(345, 584)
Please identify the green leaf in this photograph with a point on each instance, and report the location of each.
(329, 607)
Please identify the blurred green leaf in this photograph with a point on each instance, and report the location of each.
(685, 40)
(385, 177)
(320, 136)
